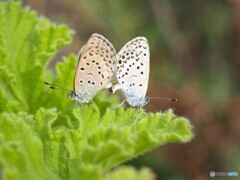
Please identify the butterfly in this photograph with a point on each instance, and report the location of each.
(132, 72)
(95, 68)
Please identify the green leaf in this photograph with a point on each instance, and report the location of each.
(21, 152)
(85, 143)
(87, 172)
(3, 101)
(8, 85)
(122, 135)
(130, 173)
(26, 45)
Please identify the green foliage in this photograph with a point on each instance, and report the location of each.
(44, 135)
(27, 44)
(129, 173)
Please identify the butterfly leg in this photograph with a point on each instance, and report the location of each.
(121, 103)
(114, 88)
(113, 108)
(109, 85)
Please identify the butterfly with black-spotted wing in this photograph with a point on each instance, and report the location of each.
(95, 68)
(132, 72)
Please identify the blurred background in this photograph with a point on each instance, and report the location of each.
(195, 57)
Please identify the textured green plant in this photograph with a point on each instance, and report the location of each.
(44, 135)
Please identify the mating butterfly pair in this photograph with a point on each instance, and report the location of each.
(98, 64)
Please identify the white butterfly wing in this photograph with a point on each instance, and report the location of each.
(132, 68)
(96, 65)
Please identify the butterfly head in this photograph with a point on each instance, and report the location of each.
(80, 97)
(72, 95)
(137, 102)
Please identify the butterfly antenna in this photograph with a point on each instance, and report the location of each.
(168, 99)
(56, 87)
